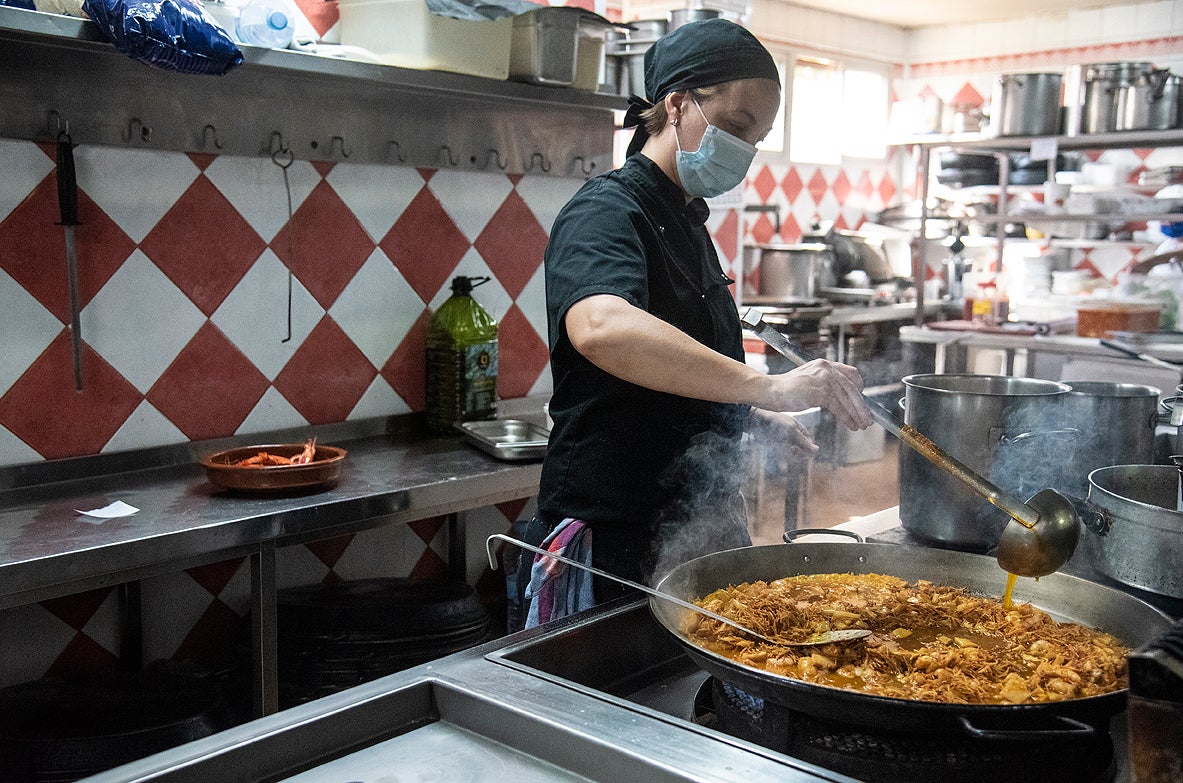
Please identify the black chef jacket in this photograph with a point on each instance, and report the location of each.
(613, 459)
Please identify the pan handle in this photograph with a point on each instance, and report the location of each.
(789, 535)
(1072, 728)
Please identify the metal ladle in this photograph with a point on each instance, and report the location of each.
(823, 637)
(1042, 533)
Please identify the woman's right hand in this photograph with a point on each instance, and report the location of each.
(830, 385)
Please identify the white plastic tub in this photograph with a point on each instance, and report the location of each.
(405, 33)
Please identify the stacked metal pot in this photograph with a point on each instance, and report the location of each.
(1093, 439)
(1096, 98)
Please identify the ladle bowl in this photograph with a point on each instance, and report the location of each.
(1042, 533)
(1045, 546)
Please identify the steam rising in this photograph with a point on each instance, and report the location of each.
(706, 512)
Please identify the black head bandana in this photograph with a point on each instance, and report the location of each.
(698, 54)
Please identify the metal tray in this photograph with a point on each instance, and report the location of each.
(508, 439)
(1149, 338)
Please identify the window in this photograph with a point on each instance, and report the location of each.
(836, 111)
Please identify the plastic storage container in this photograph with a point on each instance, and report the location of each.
(265, 23)
(225, 14)
(461, 359)
(560, 47)
(405, 33)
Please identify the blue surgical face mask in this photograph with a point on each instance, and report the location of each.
(718, 165)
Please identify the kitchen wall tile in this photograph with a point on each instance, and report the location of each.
(255, 186)
(1084, 27)
(425, 244)
(145, 428)
(28, 329)
(522, 355)
(323, 227)
(271, 412)
(45, 411)
(470, 198)
(376, 195)
(545, 196)
(1152, 20)
(114, 178)
(122, 321)
(377, 308)
(33, 248)
(379, 400)
(255, 315)
(14, 451)
(532, 301)
(24, 165)
(209, 389)
(512, 244)
(327, 375)
(179, 245)
(1118, 22)
(405, 370)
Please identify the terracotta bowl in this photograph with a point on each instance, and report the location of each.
(221, 470)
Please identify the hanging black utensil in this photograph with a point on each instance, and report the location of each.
(68, 206)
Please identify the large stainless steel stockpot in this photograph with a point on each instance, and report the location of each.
(1150, 101)
(1026, 104)
(1138, 526)
(1116, 424)
(794, 272)
(1002, 427)
(1064, 597)
(1102, 83)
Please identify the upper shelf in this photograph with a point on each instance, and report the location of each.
(1090, 141)
(56, 69)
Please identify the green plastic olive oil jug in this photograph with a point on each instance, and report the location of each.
(461, 359)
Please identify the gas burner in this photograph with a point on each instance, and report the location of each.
(900, 756)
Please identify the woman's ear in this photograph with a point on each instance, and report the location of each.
(673, 105)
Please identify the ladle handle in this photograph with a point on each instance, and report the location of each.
(1016, 509)
(493, 564)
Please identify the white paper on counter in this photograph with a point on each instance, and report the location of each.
(110, 511)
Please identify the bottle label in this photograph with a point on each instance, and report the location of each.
(480, 375)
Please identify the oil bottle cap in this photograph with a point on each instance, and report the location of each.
(462, 285)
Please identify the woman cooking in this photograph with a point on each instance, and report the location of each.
(651, 394)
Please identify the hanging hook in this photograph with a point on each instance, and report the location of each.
(452, 161)
(337, 142)
(134, 125)
(586, 166)
(398, 151)
(60, 125)
(275, 144)
(207, 131)
(495, 155)
(544, 163)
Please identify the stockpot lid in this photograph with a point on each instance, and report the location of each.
(985, 385)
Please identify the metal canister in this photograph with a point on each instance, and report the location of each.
(1116, 423)
(1150, 101)
(1001, 427)
(1102, 83)
(1026, 104)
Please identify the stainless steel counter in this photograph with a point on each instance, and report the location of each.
(481, 715)
(392, 474)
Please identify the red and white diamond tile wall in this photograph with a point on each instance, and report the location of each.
(845, 196)
(183, 264)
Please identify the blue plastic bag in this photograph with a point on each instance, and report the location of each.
(171, 34)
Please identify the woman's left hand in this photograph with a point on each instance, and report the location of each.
(784, 429)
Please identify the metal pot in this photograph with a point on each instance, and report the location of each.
(1102, 82)
(794, 272)
(1116, 424)
(1131, 620)
(629, 54)
(1026, 104)
(1150, 101)
(1138, 527)
(1001, 427)
(681, 16)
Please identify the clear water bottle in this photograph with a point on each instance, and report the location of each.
(265, 23)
